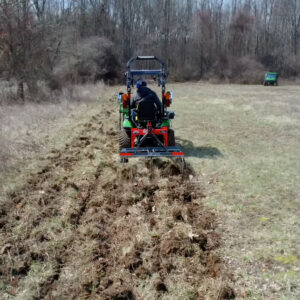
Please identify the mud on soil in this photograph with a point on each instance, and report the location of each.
(87, 227)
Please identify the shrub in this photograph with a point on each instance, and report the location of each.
(291, 67)
(93, 60)
(246, 70)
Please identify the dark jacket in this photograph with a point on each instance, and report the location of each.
(142, 93)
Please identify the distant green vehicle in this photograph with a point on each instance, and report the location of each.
(271, 78)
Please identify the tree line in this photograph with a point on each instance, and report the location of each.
(67, 41)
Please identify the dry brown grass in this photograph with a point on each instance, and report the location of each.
(244, 141)
(83, 226)
(29, 128)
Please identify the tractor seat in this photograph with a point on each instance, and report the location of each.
(147, 112)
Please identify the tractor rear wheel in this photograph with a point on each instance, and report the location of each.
(124, 139)
(171, 138)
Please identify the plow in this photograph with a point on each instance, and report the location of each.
(145, 130)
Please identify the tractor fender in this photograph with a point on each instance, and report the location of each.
(166, 123)
(127, 124)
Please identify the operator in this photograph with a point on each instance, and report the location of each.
(142, 92)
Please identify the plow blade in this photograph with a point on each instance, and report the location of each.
(151, 152)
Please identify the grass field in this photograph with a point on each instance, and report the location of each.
(75, 223)
(244, 141)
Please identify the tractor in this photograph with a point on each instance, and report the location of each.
(143, 132)
(271, 78)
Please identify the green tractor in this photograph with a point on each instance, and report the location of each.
(271, 78)
(142, 132)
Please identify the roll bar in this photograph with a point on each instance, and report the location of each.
(132, 59)
(161, 73)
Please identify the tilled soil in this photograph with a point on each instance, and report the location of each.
(87, 227)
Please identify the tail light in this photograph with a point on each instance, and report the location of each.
(125, 99)
(168, 98)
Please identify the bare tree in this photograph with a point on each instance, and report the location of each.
(197, 39)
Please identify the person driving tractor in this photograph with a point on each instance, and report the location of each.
(145, 93)
(145, 121)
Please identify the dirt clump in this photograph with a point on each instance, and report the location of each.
(226, 292)
(133, 260)
(118, 292)
(176, 244)
(160, 286)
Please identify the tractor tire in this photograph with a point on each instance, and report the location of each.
(124, 139)
(171, 138)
